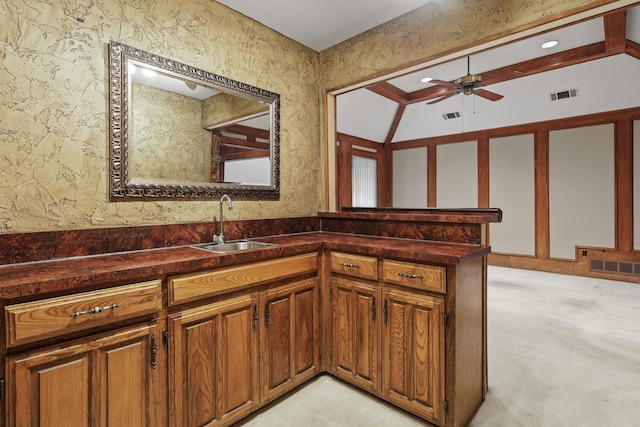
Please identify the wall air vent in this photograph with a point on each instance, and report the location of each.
(623, 267)
(564, 94)
(454, 115)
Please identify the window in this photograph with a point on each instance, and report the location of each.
(364, 183)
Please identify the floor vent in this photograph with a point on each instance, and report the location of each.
(622, 267)
(454, 115)
(564, 94)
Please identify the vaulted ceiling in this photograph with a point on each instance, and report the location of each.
(599, 58)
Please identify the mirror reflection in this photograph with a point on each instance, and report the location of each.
(185, 132)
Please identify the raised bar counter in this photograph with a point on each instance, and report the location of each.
(78, 273)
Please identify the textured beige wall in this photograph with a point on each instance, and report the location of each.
(438, 28)
(185, 152)
(54, 138)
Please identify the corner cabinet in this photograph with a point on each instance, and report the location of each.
(398, 333)
(356, 333)
(413, 353)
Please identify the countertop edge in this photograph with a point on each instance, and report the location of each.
(45, 278)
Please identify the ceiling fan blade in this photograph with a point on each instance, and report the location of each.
(502, 78)
(444, 97)
(444, 83)
(491, 96)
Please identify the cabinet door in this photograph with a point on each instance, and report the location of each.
(356, 334)
(109, 380)
(413, 352)
(289, 337)
(213, 362)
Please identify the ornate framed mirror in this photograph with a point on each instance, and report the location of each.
(179, 132)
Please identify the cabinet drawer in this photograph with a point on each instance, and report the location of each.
(31, 321)
(194, 286)
(415, 275)
(355, 265)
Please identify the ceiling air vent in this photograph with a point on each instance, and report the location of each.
(453, 115)
(564, 94)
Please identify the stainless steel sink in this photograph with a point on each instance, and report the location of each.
(242, 245)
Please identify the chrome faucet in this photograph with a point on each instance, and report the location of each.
(218, 239)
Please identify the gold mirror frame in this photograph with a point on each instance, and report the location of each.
(120, 185)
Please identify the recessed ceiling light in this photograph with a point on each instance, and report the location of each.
(550, 43)
(426, 79)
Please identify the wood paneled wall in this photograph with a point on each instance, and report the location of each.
(620, 261)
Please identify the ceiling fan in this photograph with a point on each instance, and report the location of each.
(469, 85)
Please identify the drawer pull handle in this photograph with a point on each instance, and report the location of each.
(410, 276)
(385, 312)
(154, 351)
(95, 310)
(349, 265)
(255, 317)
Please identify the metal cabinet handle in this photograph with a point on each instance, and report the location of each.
(95, 310)
(410, 276)
(255, 317)
(267, 315)
(373, 307)
(385, 311)
(349, 265)
(154, 351)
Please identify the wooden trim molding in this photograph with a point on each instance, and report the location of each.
(624, 185)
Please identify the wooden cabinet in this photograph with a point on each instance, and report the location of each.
(113, 379)
(413, 353)
(213, 362)
(361, 266)
(289, 337)
(197, 286)
(53, 317)
(390, 339)
(230, 356)
(356, 333)
(230, 339)
(415, 275)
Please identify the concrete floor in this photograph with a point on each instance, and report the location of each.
(563, 351)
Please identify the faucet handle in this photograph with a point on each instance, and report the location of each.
(218, 239)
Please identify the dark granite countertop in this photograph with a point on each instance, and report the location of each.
(26, 280)
(433, 215)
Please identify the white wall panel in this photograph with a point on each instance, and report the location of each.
(457, 175)
(512, 189)
(636, 184)
(248, 171)
(581, 189)
(410, 178)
